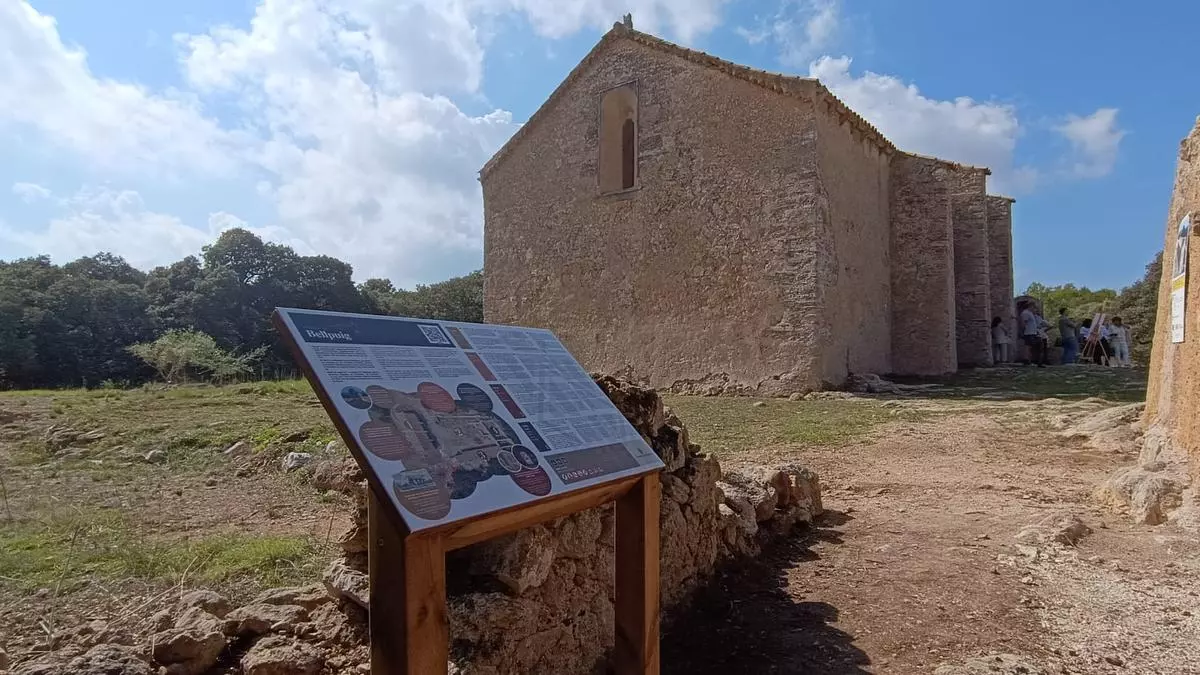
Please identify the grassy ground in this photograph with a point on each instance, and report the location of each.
(81, 504)
(86, 519)
(1125, 385)
(62, 553)
(735, 425)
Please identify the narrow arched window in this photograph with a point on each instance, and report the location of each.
(618, 166)
(628, 159)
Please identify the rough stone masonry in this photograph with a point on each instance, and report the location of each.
(716, 228)
(1162, 486)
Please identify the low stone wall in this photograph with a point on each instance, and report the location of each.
(541, 600)
(536, 601)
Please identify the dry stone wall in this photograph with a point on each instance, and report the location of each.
(1000, 266)
(972, 290)
(541, 600)
(922, 267)
(706, 275)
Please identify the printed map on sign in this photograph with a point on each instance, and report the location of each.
(461, 419)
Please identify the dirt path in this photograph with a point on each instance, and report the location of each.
(916, 567)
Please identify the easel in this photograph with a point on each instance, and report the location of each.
(410, 631)
(1094, 336)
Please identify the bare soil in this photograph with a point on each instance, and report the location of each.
(915, 565)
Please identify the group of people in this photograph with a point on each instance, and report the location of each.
(1111, 348)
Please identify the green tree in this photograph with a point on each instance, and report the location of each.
(177, 354)
(1137, 305)
(456, 299)
(70, 325)
(1081, 302)
(378, 294)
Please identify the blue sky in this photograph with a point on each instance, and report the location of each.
(356, 127)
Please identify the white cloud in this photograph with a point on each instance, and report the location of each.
(961, 130)
(47, 86)
(364, 165)
(117, 221)
(424, 45)
(30, 192)
(800, 29)
(337, 111)
(1095, 140)
(682, 19)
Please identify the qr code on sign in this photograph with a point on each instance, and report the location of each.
(434, 334)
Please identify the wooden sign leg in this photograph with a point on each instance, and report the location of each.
(410, 631)
(636, 651)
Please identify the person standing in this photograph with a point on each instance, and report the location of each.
(1000, 341)
(1118, 340)
(1044, 334)
(1031, 334)
(1070, 340)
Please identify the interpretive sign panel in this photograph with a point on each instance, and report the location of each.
(1179, 279)
(459, 419)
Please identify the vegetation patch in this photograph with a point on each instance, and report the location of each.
(64, 552)
(730, 425)
(1119, 385)
(192, 424)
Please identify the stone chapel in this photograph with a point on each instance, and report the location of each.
(713, 227)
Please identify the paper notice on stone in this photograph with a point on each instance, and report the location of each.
(1179, 279)
(458, 420)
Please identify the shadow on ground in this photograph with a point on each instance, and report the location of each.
(747, 622)
(1017, 382)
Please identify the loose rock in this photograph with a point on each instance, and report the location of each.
(308, 597)
(188, 651)
(257, 619)
(108, 659)
(279, 656)
(519, 561)
(296, 460)
(1062, 528)
(210, 601)
(347, 583)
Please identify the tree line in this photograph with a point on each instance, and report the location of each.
(98, 320)
(73, 325)
(1136, 304)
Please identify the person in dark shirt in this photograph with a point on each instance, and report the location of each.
(1070, 339)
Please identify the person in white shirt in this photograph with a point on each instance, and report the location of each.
(1000, 341)
(1118, 339)
(1032, 326)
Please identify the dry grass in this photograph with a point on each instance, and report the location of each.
(726, 426)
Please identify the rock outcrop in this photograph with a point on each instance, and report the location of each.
(1158, 488)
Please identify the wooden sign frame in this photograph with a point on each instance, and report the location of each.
(409, 622)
